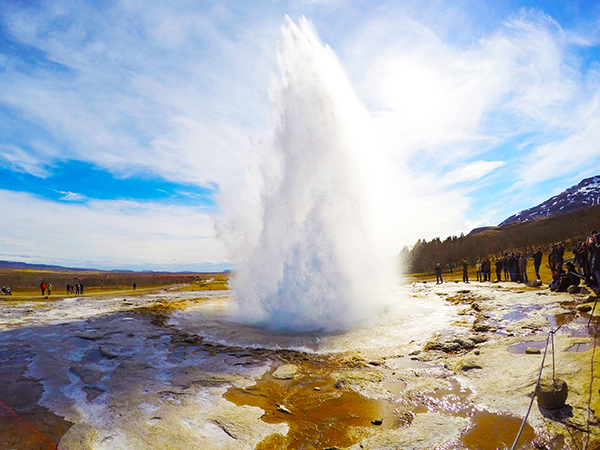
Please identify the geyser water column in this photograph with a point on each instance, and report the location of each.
(317, 260)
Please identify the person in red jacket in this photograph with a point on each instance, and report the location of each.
(43, 288)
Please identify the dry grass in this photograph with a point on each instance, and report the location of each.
(545, 273)
(214, 284)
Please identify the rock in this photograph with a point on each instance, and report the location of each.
(286, 372)
(80, 436)
(106, 353)
(573, 289)
(552, 395)
(468, 367)
(585, 307)
(317, 388)
(377, 421)
(430, 430)
(340, 383)
(483, 327)
(87, 374)
(532, 351)
(536, 283)
(283, 409)
(465, 343)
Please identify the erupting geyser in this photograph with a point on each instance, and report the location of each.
(316, 259)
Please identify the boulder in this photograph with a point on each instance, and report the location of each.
(552, 395)
(81, 436)
(536, 283)
(286, 372)
(574, 289)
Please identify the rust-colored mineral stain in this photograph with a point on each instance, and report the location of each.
(317, 418)
(491, 432)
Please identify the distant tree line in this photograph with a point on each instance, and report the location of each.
(569, 228)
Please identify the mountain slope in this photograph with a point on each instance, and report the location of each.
(584, 194)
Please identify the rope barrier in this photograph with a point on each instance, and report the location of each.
(537, 385)
(587, 441)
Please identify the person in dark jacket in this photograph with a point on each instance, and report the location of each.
(465, 266)
(438, 274)
(594, 246)
(537, 262)
(499, 267)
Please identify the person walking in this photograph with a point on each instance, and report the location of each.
(438, 274)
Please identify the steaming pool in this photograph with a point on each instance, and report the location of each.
(171, 370)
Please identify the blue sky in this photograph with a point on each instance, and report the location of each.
(126, 125)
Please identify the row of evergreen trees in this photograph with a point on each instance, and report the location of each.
(520, 237)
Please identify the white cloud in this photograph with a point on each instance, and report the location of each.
(19, 160)
(470, 172)
(72, 197)
(176, 91)
(108, 234)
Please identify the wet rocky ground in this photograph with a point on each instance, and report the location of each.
(167, 371)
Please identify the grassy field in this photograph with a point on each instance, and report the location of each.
(545, 273)
(25, 283)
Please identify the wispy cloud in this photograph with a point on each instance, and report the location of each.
(463, 106)
(109, 234)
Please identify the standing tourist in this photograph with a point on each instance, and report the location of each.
(43, 288)
(438, 274)
(594, 245)
(523, 268)
(465, 266)
(499, 266)
(537, 262)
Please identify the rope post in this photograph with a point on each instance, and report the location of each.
(592, 313)
(553, 359)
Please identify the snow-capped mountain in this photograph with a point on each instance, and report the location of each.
(586, 193)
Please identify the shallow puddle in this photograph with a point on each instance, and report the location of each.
(491, 432)
(579, 347)
(522, 347)
(319, 414)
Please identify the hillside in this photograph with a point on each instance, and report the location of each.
(582, 195)
(569, 227)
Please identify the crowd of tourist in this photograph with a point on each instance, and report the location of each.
(76, 289)
(583, 269)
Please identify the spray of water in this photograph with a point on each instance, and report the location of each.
(314, 259)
